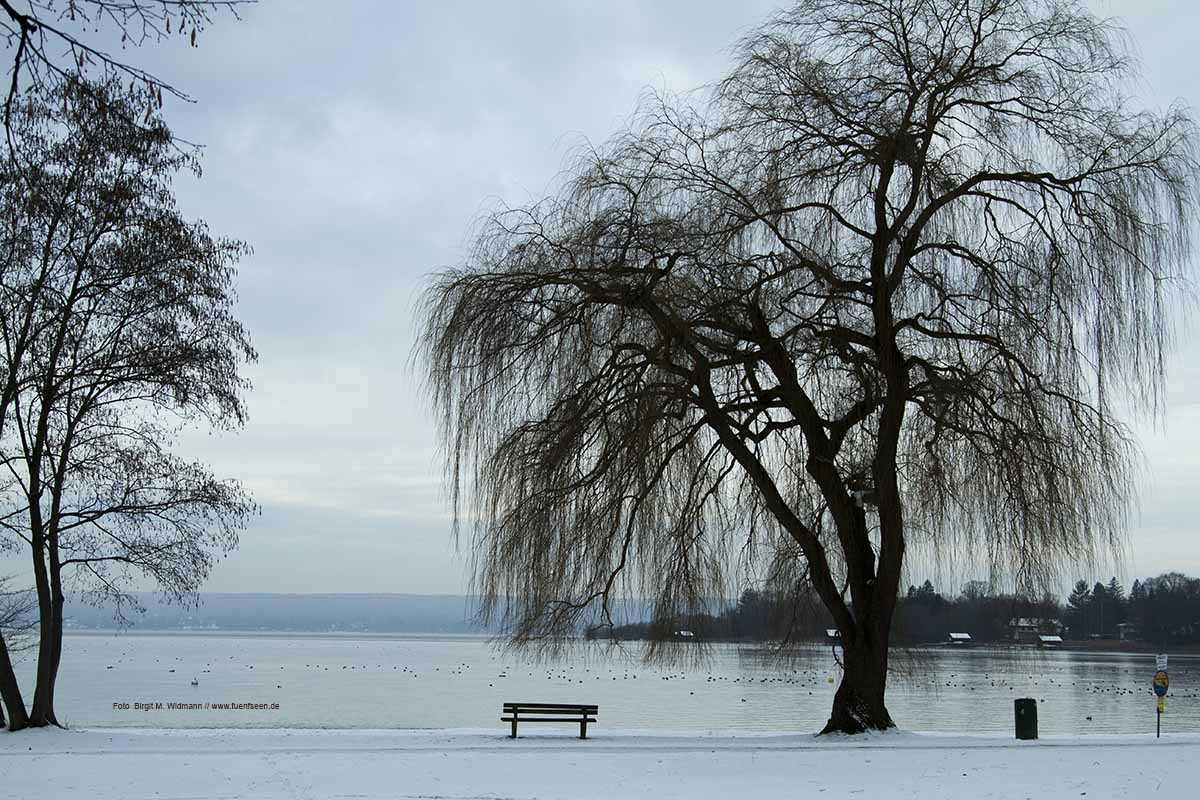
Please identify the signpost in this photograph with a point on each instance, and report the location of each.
(1161, 681)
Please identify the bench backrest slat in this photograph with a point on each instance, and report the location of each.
(550, 707)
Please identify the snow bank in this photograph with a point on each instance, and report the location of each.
(223, 764)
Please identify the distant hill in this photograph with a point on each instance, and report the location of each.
(374, 613)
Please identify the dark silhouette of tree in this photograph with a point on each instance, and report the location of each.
(926, 592)
(1115, 609)
(1166, 609)
(975, 591)
(1099, 607)
(118, 327)
(1137, 597)
(924, 616)
(872, 294)
(54, 41)
(1078, 608)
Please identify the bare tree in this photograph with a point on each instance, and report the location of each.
(873, 294)
(126, 309)
(52, 41)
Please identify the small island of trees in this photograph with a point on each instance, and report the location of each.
(1159, 611)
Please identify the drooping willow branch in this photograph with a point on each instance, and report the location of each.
(875, 295)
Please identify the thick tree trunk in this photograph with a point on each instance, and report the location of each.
(56, 641)
(10, 692)
(42, 713)
(858, 705)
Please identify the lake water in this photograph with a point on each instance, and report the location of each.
(326, 681)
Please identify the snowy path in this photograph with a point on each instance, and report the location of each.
(403, 765)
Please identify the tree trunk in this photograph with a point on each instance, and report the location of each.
(56, 639)
(858, 705)
(10, 692)
(49, 652)
(42, 713)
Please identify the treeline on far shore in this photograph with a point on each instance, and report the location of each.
(1163, 610)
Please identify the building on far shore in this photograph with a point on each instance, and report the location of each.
(1127, 631)
(1028, 629)
(960, 639)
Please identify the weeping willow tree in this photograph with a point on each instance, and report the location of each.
(883, 289)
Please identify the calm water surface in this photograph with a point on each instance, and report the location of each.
(322, 681)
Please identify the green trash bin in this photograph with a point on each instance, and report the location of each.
(1025, 709)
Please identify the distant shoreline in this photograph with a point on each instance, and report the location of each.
(1102, 646)
(276, 634)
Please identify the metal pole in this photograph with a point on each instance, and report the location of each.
(1158, 724)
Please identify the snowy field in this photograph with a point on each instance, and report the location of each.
(548, 763)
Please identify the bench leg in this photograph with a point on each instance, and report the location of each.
(583, 729)
(514, 731)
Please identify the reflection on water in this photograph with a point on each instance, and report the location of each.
(460, 682)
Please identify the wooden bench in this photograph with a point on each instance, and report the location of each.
(550, 712)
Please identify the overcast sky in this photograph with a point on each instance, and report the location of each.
(353, 143)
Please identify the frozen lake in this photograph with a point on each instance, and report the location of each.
(328, 681)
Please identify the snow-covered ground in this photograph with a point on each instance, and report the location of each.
(365, 765)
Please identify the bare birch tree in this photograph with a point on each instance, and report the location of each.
(876, 293)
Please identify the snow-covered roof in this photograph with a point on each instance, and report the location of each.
(960, 636)
(1050, 639)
